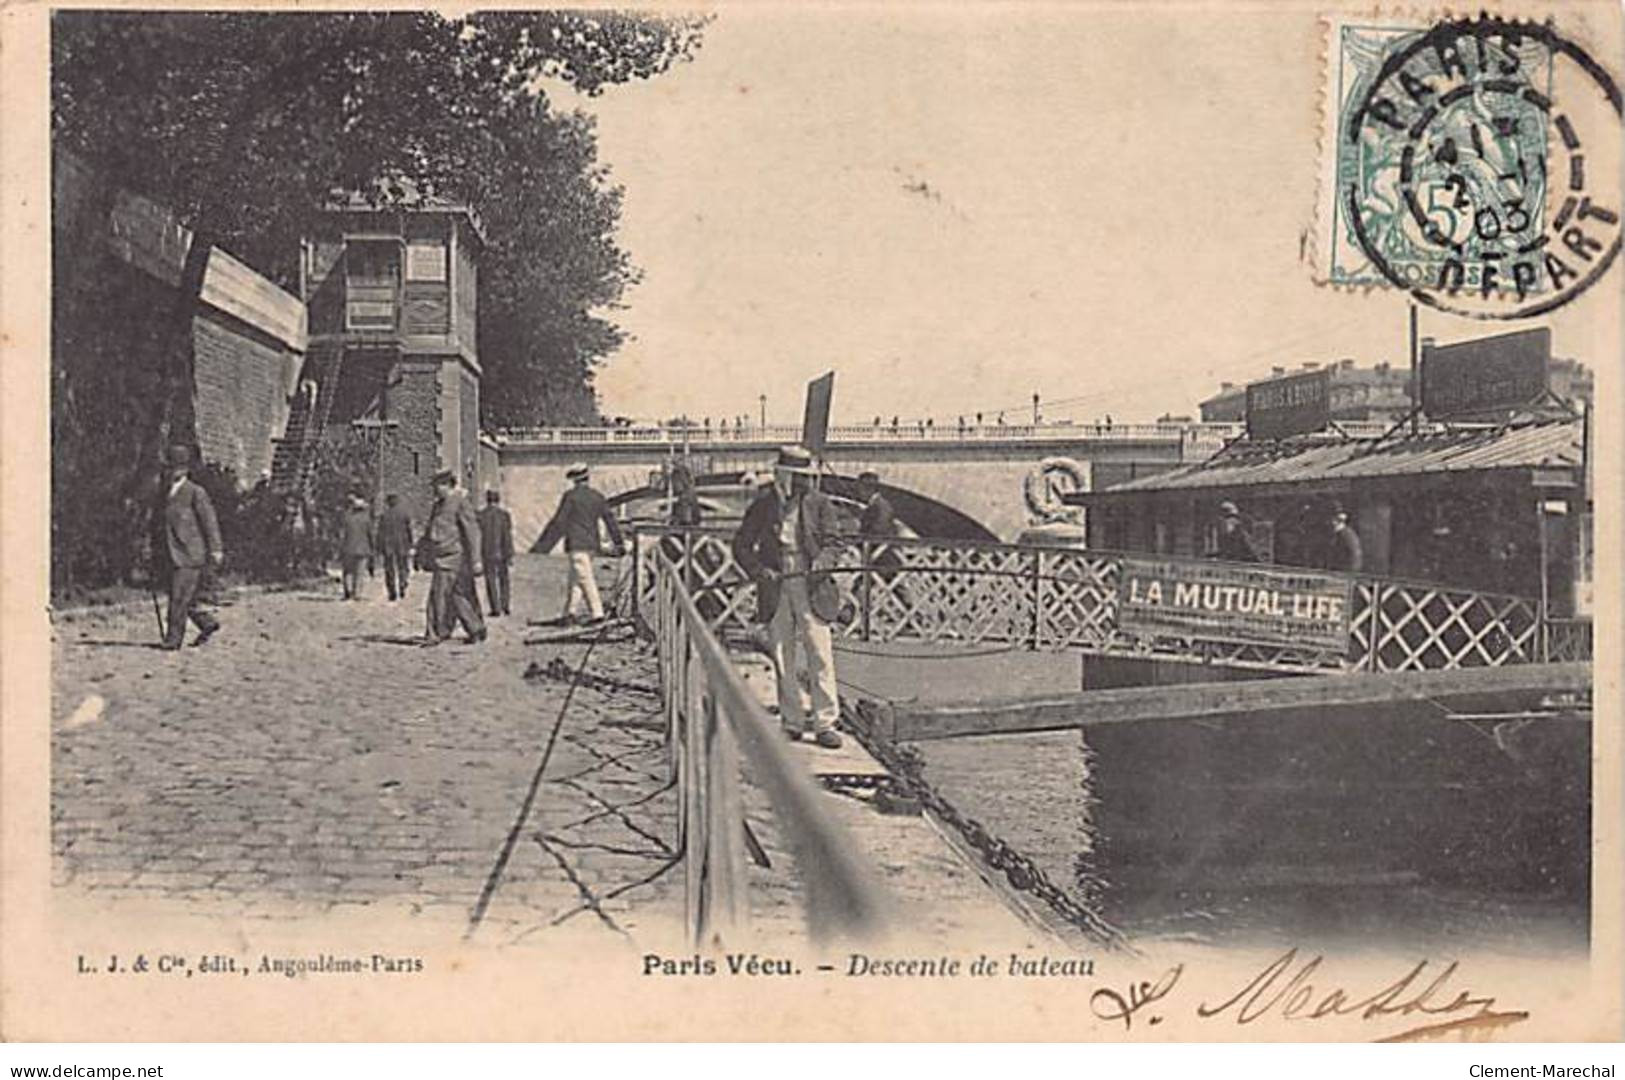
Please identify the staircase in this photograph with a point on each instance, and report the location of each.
(293, 464)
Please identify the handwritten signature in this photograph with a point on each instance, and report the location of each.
(1293, 988)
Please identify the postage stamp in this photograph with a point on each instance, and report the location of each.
(1467, 162)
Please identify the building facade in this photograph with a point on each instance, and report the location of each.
(1381, 393)
(393, 339)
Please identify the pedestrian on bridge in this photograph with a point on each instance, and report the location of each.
(496, 534)
(395, 545)
(451, 549)
(778, 545)
(576, 522)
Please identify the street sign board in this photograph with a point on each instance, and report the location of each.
(1247, 605)
(815, 421)
(1290, 405)
(1485, 375)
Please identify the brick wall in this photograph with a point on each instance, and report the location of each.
(468, 405)
(244, 379)
(412, 449)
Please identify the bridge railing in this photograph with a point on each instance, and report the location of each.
(968, 593)
(711, 717)
(870, 433)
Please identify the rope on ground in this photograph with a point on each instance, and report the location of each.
(506, 853)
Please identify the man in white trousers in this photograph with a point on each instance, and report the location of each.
(778, 545)
(576, 522)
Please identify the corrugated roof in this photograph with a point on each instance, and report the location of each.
(1550, 444)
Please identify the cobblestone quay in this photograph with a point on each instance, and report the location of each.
(311, 759)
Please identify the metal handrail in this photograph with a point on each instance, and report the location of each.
(711, 716)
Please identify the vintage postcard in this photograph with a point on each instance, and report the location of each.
(885, 522)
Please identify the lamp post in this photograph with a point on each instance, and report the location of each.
(373, 430)
(762, 401)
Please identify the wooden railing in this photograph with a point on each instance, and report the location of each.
(968, 593)
(711, 717)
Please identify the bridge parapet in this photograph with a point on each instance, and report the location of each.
(869, 434)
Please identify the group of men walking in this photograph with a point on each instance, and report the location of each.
(781, 543)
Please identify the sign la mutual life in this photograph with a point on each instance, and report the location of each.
(1264, 605)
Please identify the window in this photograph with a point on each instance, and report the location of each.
(425, 260)
(371, 270)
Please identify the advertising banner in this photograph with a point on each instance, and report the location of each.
(1485, 375)
(1223, 602)
(1291, 405)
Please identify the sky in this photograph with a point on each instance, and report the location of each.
(956, 208)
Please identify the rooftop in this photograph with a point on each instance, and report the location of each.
(1540, 444)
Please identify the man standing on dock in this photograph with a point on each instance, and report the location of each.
(576, 522)
(1234, 543)
(496, 530)
(395, 544)
(1344, 553)
(785, 530)
(191, 540)
(451, 551)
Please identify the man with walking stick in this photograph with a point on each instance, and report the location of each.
(191, 541)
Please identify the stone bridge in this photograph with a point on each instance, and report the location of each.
(983, 483)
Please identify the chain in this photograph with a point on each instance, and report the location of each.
(908, 778)
(559, 671)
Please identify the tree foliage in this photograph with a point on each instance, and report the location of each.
(247, 123)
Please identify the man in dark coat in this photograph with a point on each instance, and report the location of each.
(355, 546)
(191, 542)
(496, 530)
(395, 545)
(879, 522)
(778, 545)
(1343, 550)
(1234, 543)
(451, 549)
(576, 522)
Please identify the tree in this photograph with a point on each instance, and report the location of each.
(245, 124)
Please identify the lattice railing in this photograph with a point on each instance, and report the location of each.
(1568, 639)
(1045, 598)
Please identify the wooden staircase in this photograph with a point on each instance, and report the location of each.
(293, 464)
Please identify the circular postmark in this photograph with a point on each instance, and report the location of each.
(1490, 154)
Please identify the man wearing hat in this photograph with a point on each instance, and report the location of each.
(1234, 543)
(356, 546)
(496, 529)
(778, 545)
(576, 522)
(1343, 551)
(451, 550)
(395, 545)
(191, 539)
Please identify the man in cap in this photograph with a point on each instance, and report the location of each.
(1343, 550)
(576, 522)
(496, 529)
(1234, 543)
(786, 529)
(395, 545)
(879, 520)
(191, 540)
(451, 550)
(355, 546)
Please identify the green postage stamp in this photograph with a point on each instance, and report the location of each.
(1462, 162)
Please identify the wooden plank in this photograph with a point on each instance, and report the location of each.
(913, 723)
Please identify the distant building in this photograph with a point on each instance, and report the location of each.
(1380, 393)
